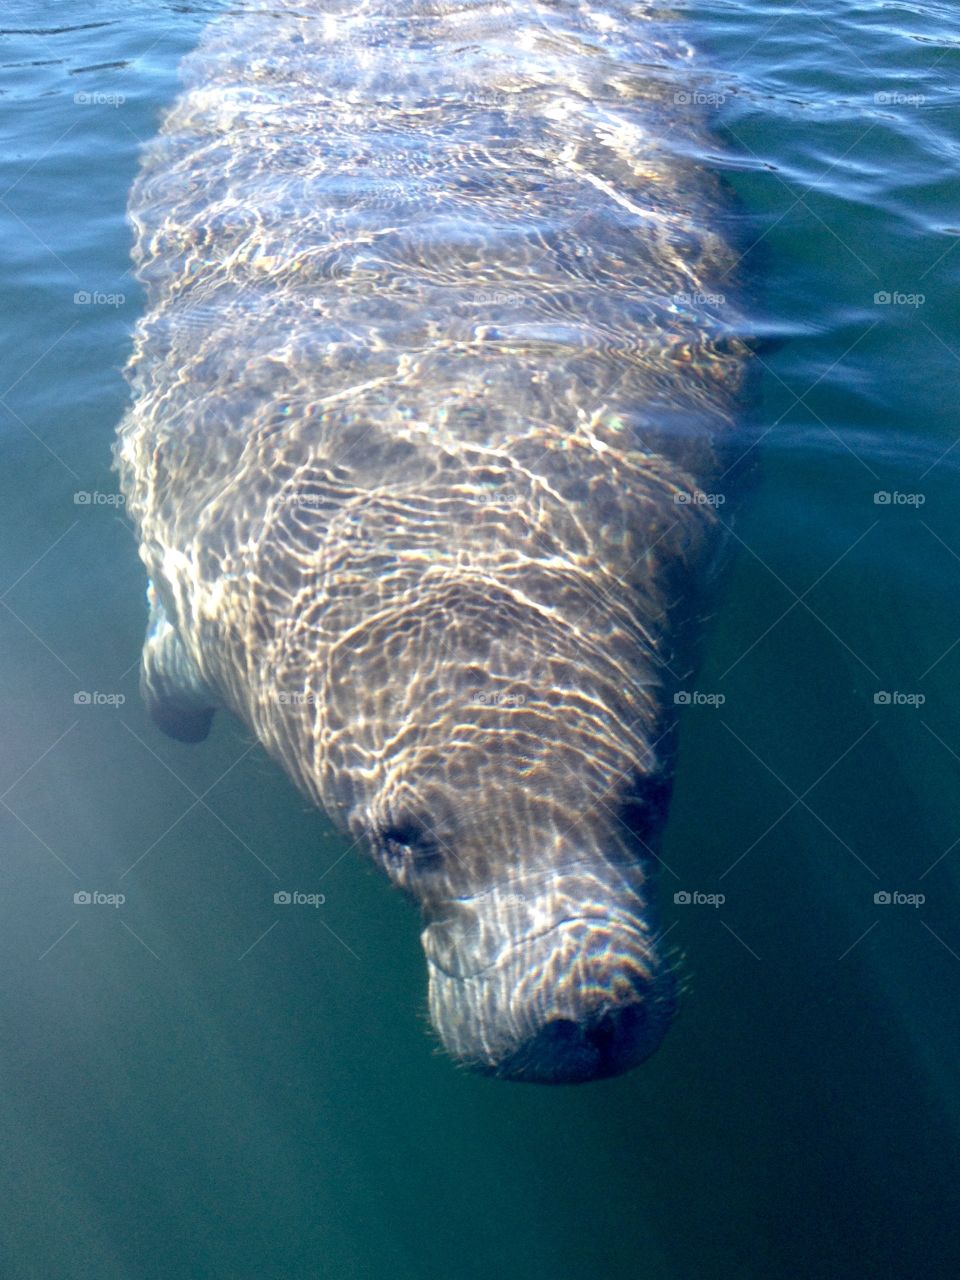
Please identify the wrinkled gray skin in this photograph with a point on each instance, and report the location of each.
(424, 404)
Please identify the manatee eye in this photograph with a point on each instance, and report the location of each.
(407, 843)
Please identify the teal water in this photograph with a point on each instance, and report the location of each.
(191, 1088)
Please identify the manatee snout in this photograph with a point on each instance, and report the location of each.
(558, 982)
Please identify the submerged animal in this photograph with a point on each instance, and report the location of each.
(427, 400)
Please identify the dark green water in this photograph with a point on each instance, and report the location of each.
(195, 1085)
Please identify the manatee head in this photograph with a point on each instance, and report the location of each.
(539, 935)
(518, 800)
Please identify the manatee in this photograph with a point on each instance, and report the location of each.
(428, 397)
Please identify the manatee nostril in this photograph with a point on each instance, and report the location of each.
(618, 1035)
(567, 1052)
(560, 1037)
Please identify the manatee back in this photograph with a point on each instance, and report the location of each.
(428, 283)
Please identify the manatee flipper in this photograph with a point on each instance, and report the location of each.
(173, 689)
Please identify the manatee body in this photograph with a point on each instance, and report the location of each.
(427, 398)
